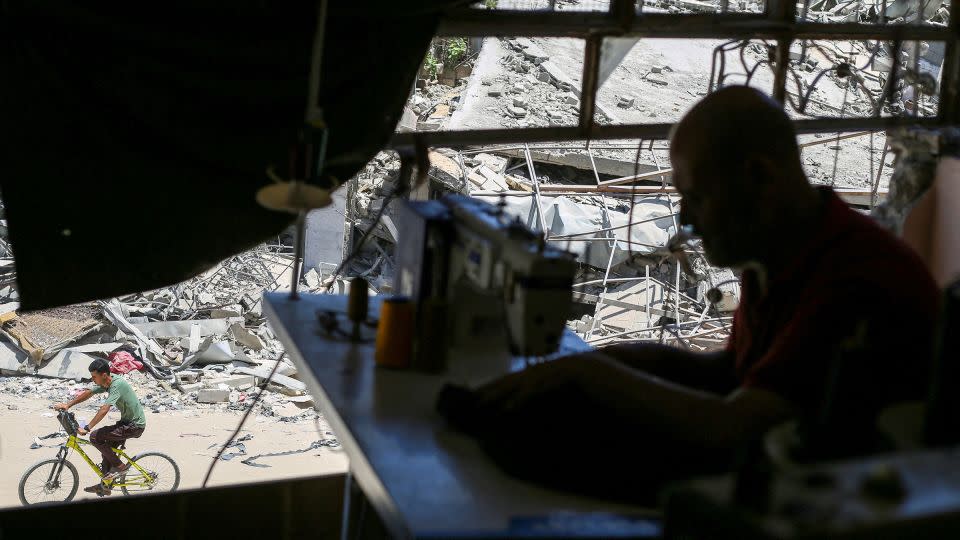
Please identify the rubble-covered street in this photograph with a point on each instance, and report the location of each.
(196, 354)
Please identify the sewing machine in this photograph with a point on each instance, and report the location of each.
(484, 277)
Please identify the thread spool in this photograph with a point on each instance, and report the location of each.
(357, 305)
(394, 346)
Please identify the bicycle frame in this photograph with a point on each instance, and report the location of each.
(76, 443)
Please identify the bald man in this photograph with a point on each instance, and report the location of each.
(820, 282)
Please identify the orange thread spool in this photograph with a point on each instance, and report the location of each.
(395, 333)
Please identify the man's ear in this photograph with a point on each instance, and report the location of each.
(760, 170)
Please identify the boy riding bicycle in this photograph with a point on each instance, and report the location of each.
(131, 425)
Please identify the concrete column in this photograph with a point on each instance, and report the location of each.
(325, 235)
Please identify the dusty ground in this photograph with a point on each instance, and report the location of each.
(184, 435)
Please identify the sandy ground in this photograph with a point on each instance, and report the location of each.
(184, 435)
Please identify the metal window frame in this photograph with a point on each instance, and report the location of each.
(777, 23)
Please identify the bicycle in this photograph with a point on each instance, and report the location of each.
(46, 481)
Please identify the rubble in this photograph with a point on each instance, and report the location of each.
(203, 343)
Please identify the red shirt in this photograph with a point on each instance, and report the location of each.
(852, 275)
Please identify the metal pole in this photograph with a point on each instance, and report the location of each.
(536, 188)
(588, 91)
(599, 306)
(646, 294)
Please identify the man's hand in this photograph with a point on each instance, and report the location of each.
(517, 389)
(61, 406)
(82, 431)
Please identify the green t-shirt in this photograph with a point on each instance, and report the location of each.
(121, 395)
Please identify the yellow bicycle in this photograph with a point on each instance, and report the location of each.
(56, 479)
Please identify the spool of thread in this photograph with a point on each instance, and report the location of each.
(357, 304)
(395, 333)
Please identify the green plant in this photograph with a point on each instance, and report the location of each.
(456, 49)
(490, 4)
(431, 64)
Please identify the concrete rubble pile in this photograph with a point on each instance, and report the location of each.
(632, 253)
(531, 90)
(432, 105)
(896, 12)
(203, 343)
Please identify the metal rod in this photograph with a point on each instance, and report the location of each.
(646, 292)
(588, 89)
(649, 327)
(298, 254)
(599, 305)
(607, 224)
(838, 138)
(876, 183)
(458, 139)
(632, 223)
(313, 93)
(536, 187)
(483, 23)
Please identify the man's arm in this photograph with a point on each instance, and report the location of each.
(692, 416)
(104, 409)
(83, 396)
(695, 417)
(712, 372)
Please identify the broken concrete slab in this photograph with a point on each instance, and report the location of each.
(42, 333)
(408, 121)
(9, 307)
(245, 337)
(170, 329)
(559, 78)
(530, 50)
(235, 312)
(13, 361)
(218, 352)
(444, 169)
(114, 313)
(286, 367)
(312, 277)
(517, 112)
(193, 342)
(68, 364)
(656, 78)
(497, 164)
(213, 395)
(281, 380)
(235, 381)
(302, 401)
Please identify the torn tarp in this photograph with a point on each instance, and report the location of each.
(576, 224)
(132, 131)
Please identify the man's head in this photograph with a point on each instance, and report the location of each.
(736, 164)
(100, 372)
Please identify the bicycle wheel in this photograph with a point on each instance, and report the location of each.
(164, 475)
(47, 482)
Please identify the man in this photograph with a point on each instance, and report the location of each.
(131, 425)
(820, 283)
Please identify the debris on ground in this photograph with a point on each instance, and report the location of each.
(201, 344)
